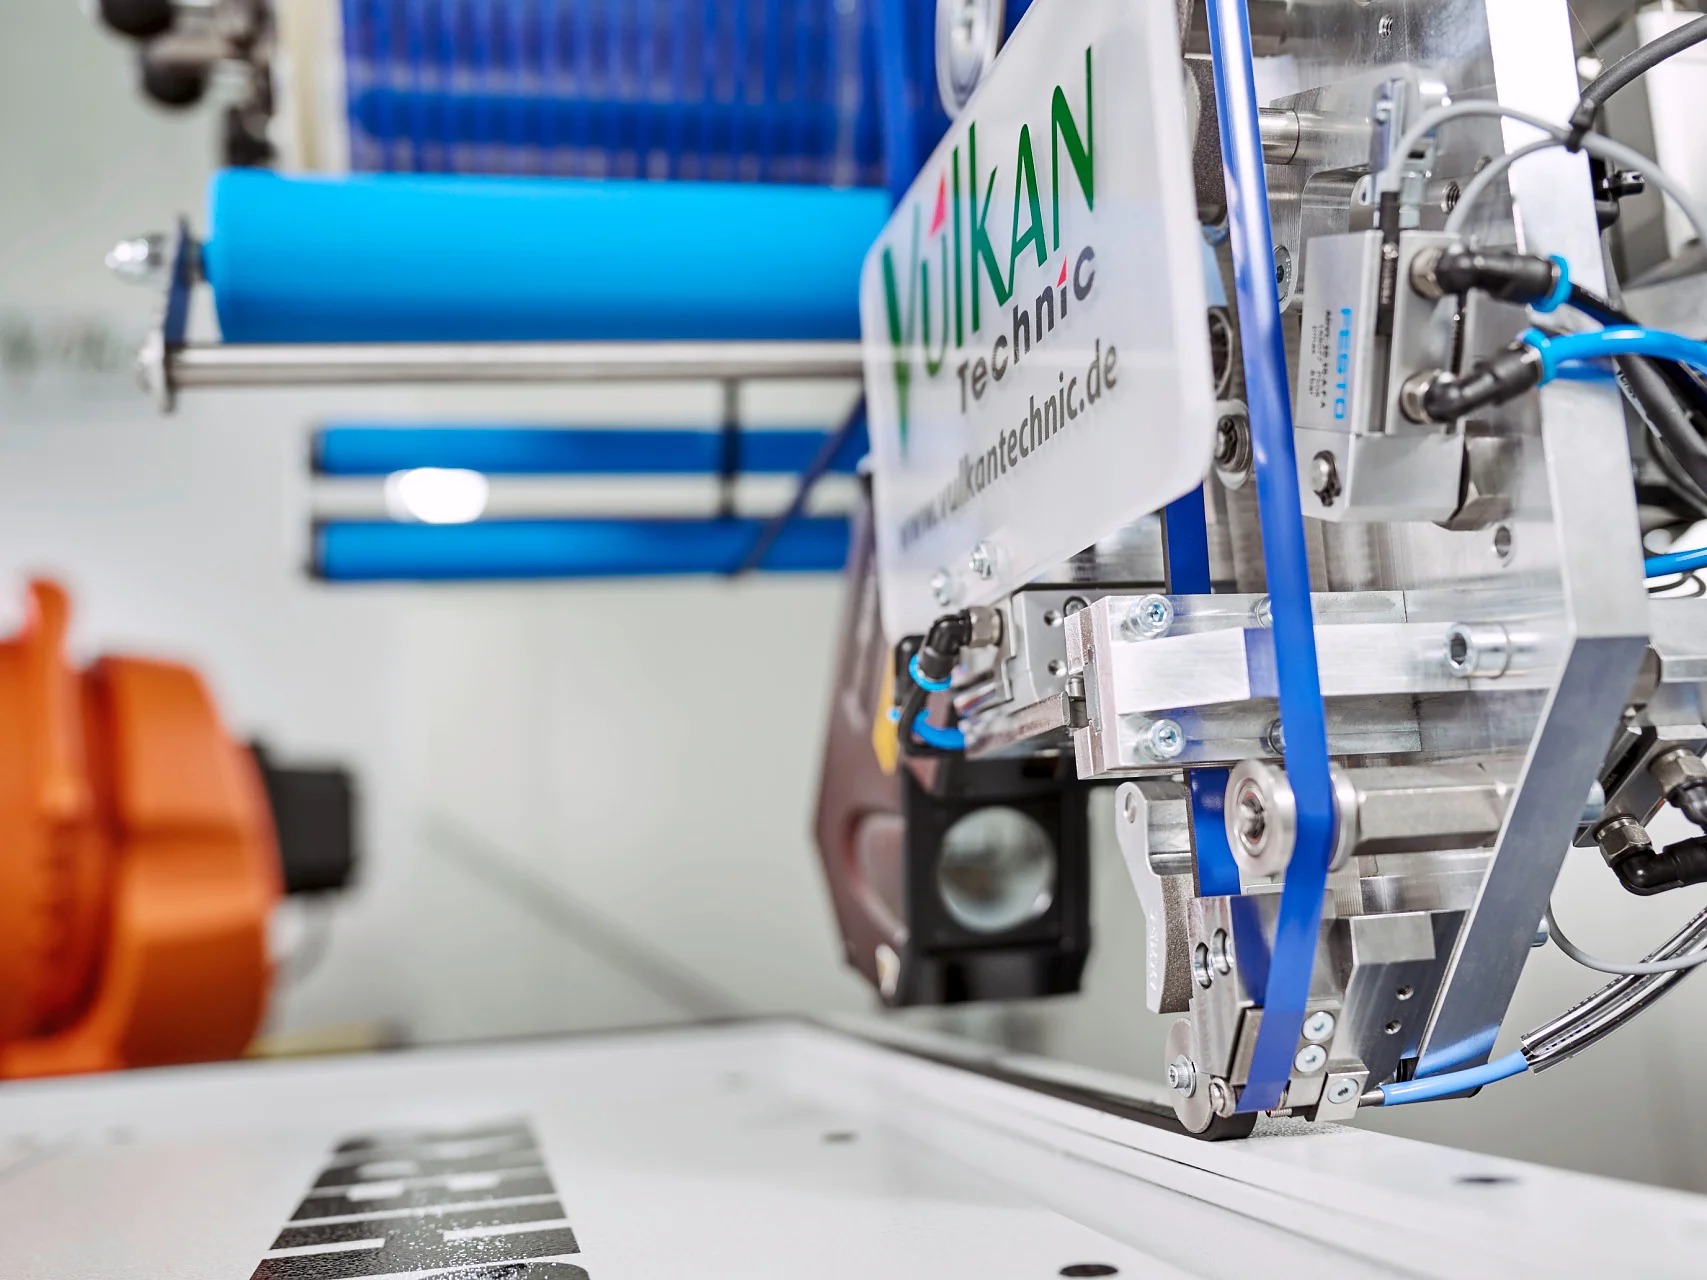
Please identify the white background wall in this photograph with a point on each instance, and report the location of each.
(585, 805)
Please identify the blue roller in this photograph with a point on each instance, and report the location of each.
(343, 450)
(395, 258)
(380, 550)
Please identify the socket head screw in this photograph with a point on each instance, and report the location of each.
(1150, 617)
(1165, 739)
(1311, 1059)
(1319, 1027)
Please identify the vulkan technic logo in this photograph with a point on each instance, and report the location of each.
(953, 259)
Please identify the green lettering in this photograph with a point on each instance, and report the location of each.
(983, 251)
(1081, 153)
(1025, 181)
(901, 326)
(933, 364)
(959, 290)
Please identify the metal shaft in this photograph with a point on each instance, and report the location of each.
(352, 364)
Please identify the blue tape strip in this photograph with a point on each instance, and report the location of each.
(1185, 544)
(1217, 873)
(1303, 725)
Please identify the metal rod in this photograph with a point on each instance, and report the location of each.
(163, 369)
(357, 364)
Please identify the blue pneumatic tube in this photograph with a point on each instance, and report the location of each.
(499, 550)
(396, 258)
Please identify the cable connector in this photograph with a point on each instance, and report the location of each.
(1524, 278)
(1440, 395)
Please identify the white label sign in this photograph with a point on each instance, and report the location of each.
(1036, 353)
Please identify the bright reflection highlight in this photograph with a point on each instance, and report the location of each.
(436, 495)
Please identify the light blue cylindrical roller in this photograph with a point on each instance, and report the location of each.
(395, 258)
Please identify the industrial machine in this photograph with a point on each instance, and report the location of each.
(1335, 591)
(1286, 436)
(1346, 611)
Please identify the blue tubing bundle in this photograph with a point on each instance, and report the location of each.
(395, 258)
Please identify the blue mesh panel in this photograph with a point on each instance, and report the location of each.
(727, 90)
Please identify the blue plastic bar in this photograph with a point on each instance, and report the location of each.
(491, 550)
(350, 450)
(395, 258)
(1303, 726)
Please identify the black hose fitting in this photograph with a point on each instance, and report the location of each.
(940, 650)
(1443, 396)
(1522, 278)
(1678, 866)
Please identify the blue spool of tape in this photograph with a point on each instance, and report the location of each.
(396, 258)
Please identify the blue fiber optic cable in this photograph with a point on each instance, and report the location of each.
(1303, 725)
(1450, 1084)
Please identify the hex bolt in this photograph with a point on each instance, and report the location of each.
(1325, 478)
(1342, 1090)
(983, 560)
(1149, 617)
(1311, 1059)
(1319, 1027)
(1182, 1075)
(1165, 739)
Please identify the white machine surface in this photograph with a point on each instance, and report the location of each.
(757, 1149)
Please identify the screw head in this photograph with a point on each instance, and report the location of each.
(1342, 1090)
(942, 587)
(1182, 1075)
(1262, 612)
(1201, 967)
(982, 561)
(1253, 817)
(139, 260)
(1325, 477)
(1226, 441)
(1165, 739)
(1319, 1027)
(1149, 617)
(1274, 737)
(1311, 1059)
(1221, 1100)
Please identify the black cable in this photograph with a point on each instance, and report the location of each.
(1630, 67)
